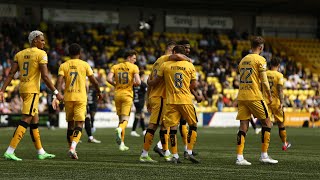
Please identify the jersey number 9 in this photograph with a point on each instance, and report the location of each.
(26, 68)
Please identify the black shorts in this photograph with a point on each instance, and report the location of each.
(92, 108)
(139, 107)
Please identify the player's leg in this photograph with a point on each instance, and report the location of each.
(69, 118)
(259, 110)
(79, 118)
(142, 124)
(279, 118)
(35, 136)
(27, 114)
(171, 119)
(164, 139)
(184, 133)
(244, 116)
(17, 137)
(93, 111)
(136, 120)
(189, 114)
(162, 146)
(156, 107)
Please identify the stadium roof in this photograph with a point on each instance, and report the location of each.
(250, 6)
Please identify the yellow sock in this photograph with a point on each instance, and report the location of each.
(240, 141)
(35, 136)
(18, 134)
(184, 133)
(76, 134)
(173, 140)
(165, 139)
(192, 137)
(265, 139)
(123, 127)
(283, 134)
(148, 139)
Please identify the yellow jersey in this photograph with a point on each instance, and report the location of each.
(124, 76)
(275, 78)
(75, 72)
(177, 77)
(250, 84)
(158, 90)
(30, 75)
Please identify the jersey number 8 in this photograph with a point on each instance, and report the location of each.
(178, 83)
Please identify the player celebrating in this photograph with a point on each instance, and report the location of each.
(252, 70)
(126, 75)
(74, 72)
(31, 63)
(179, 77)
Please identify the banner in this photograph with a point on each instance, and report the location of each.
(224, 119)
(101, 120)
(296, 119)
(298, 22)
(111, 119)
(86, 16)
(182, 21)
(8, 10)
(216, 22)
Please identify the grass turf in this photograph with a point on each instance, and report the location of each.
(216, 147)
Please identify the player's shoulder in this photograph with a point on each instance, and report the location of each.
(39, 51)
(279, 74)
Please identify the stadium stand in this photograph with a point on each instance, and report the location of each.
(215, 56)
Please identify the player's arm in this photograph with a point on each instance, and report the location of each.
(281, 96)
(265, 84)
(193, 90)
(55, 102)
(154, 81)
(110, 79)
(44, 76)
(6, 83)
(179, 57)
(136, 79)
(95, 83)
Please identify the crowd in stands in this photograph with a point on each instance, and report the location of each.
(215, 56)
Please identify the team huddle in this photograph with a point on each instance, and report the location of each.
(172, 86)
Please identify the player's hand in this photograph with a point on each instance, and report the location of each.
(59, 96)
(281, 108)
(199, 99)
(136, 84)
(99, 96)
(2, 96)
(55, 103)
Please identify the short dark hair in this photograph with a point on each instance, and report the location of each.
(171, 43)
(275, 61)
(183, 42)
(179, 49)
(257, 41)
(130, 53)
(74, 49)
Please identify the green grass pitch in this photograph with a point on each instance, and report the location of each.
(216, 147)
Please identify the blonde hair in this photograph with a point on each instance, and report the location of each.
(34, 34)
